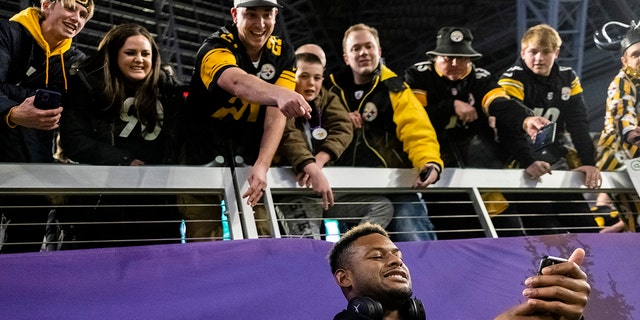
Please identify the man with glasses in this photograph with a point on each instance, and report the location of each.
(477, 124)
(466, 106)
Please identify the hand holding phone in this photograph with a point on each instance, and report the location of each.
(424, 174)
(548, 261)
(47, 99)
(545, 136)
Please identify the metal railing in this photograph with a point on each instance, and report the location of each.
(467, 184)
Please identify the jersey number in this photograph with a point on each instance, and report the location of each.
(552, 113)
(275, 45)
(132, 121)
(236, 112)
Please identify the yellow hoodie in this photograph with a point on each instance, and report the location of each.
(30, 19)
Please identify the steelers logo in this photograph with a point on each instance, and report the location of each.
(456, 36)
(370, 112)
(267, 72)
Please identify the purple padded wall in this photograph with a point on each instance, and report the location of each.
(290, 279)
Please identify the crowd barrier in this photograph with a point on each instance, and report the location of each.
(463, 216)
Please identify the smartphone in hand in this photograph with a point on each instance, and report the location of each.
(424, 174)
(548, 261)
(47, 99)
(545, 136)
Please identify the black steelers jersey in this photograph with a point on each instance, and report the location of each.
(558, 98)
(220, 120)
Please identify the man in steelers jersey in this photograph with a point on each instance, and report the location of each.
(241, 92)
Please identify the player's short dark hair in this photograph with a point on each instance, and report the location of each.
(337, 256)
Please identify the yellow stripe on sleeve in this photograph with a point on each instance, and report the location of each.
(576, 87)
(513, 88)
(492, 95)
(213, 61)
(287, 79)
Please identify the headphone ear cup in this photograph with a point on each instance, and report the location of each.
(414, 310)
(367, 307)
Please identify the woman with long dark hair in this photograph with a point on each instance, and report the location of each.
(122, 109)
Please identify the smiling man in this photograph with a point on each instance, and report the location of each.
(368, 268)
(35, 47)
(391, 129)
(241, 92)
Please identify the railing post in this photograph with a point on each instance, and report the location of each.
(483, 214)
(231, 207)
(246, 211)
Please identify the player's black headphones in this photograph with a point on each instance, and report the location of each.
(412, 309)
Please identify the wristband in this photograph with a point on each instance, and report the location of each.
(8, 121)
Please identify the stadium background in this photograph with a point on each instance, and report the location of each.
(407, 29)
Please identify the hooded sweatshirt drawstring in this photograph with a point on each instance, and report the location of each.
(30, 19)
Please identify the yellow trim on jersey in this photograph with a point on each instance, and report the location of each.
(213, 61)
(576, 88)
(492, 95)
(287, 79)
(513, 88)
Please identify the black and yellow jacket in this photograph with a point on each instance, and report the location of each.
(396, 132)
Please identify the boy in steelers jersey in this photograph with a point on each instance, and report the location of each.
(554, 92)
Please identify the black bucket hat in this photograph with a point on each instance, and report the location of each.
(256, 3)
(454, 42)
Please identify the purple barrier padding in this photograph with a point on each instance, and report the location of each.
(290, 279)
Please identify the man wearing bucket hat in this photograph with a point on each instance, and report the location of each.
(35, 47)
(241, 92)
(465, 105)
